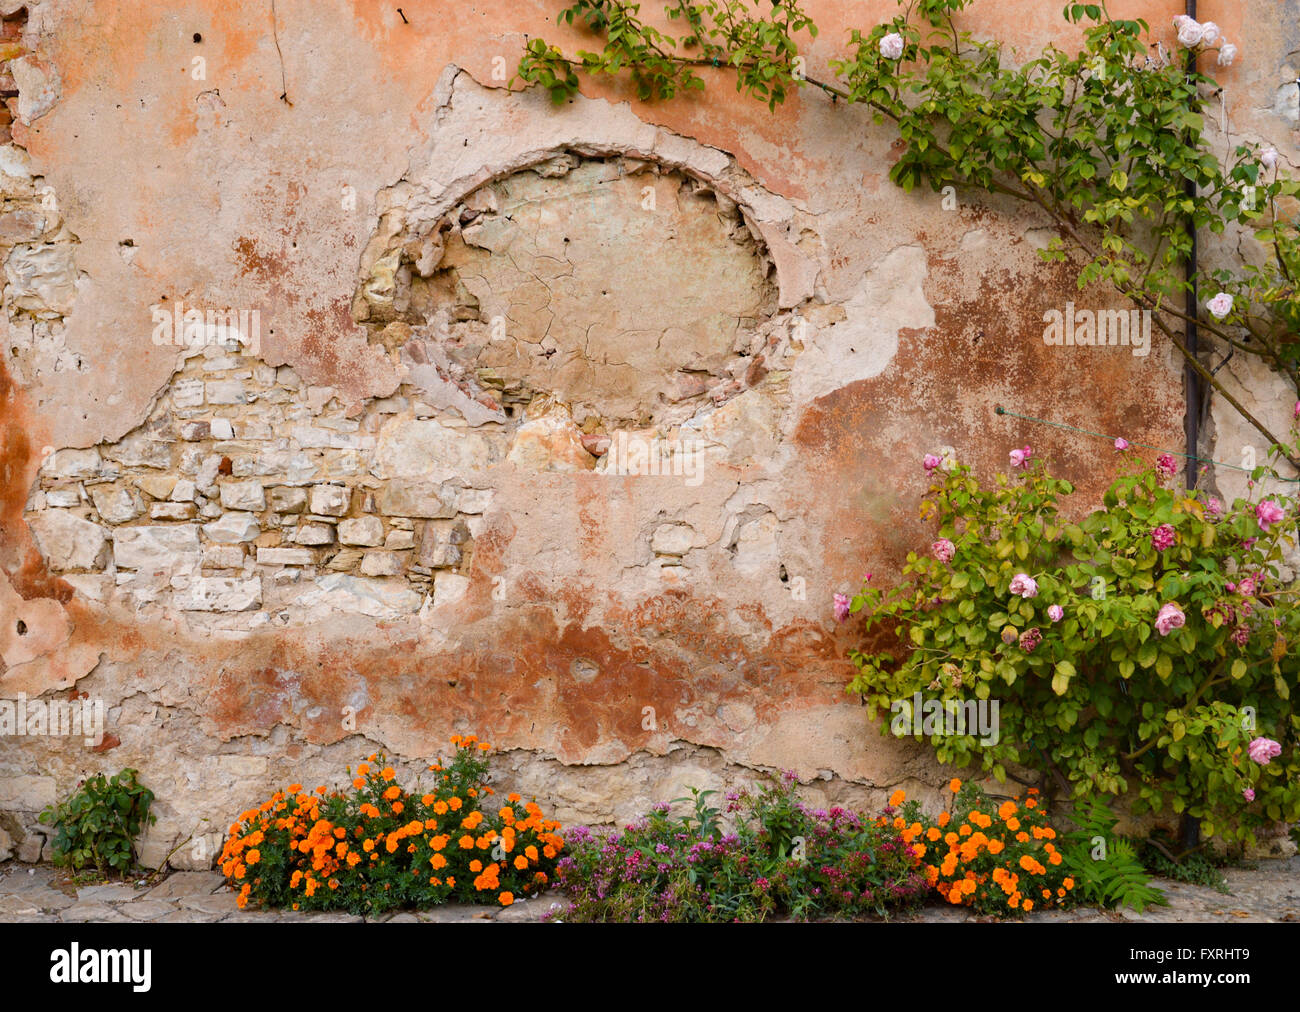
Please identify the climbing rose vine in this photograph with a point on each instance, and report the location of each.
(1148, 648)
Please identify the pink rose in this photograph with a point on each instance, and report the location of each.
(1166, 466)
(891, 46)
(1246, 588)
(1121, 444)
(1024, 585)
(1170, 617)
(1261, 750)
(1213, 507)
(1021, 458)
(1220, 306)
(1056, 613)
(931, 462)
(1163, 537)
(1029, 640)
(943, 550)
(1190, 32)
(841, 607)
(1248, 794)
(1295, 412)
(1227, 53)
(1268, 513)
(1210, 33)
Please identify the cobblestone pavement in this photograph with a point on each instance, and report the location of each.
(1267, 892)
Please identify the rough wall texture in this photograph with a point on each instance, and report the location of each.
(561, 426)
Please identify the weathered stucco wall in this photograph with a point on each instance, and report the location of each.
(394, 491)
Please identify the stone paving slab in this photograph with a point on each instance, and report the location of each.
(1269, 891)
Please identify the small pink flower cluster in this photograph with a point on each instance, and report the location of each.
(1163, 537)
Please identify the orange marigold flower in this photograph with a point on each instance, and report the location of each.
(531, 852)
(506, 898)
(295, 788)
(521, 862)
(932, 833)
(1028, 905)
(1055, 859)
(897, 798)
(466, 842)
(964, 830)
(387, 773)
(1068, 883)
(455, 804)
(1013, 824)
(954, 785)
(484, 747)
(944, 819)
(514, 799)
(392, 792)
(398, 807)
(548, 851)
(1022, 837)
(476, 865)
(440, 807)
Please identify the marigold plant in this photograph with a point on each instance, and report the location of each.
(999, 859)
(375, 846)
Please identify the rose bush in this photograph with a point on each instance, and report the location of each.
(1150, 646)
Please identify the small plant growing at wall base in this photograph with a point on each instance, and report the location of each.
(99, 823)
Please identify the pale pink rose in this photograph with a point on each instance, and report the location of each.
(1246, 588)
(931, 462)
(1268, 158)
(891, 46)
(943, 550)
(1056, 613)
(1190, 32)
(1269, 513)
(1121, 444)
(1022, 457)
(1220, 306)
(1248, 794)
(1261, 750)
(1227, 53)
(1024, 585)
(841, 607)
(1210, 33)
(1171, 617)
(1214, 507)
